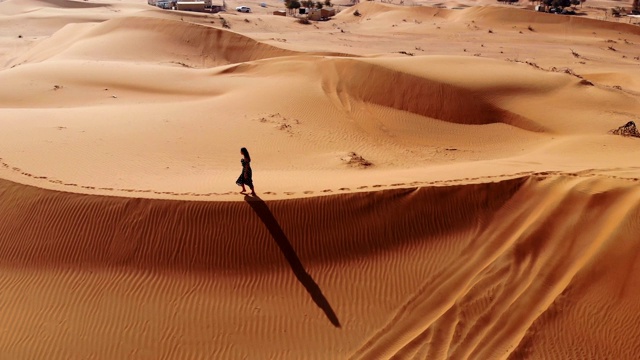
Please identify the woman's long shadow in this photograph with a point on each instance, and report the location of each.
(263, 212)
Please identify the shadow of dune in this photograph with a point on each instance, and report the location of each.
(263, 212)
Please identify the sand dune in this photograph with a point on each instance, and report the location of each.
(493, 15)
(25, 6)
(63, 4)
(382, 109)
(432, 183)
(421, 96)
(506, 16)
(151, 40)
(471, 271)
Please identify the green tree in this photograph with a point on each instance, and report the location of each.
(319, 5)
(292, 5)
(558, 3)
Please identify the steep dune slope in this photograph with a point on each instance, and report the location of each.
(471, 271)
(386, 87)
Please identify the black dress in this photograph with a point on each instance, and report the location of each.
(246, 169)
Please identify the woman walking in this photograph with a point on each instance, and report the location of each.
(245, 177)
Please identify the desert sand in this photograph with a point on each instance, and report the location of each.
(435, 181)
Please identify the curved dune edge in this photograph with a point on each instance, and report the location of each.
(351, 80)
(494, 270)
(152, 39)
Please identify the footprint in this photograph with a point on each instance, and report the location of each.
(327, 191)
(398, 184)
(308, 192)
(362, 187)
(377, 186)
(269, 193)
(344, 189)
(289, 193)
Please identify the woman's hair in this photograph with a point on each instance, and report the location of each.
(245, 152)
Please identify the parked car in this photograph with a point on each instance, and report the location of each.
(244, 9)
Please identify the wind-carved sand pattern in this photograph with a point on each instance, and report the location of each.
(446, 190)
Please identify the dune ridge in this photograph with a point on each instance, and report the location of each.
(149, 39)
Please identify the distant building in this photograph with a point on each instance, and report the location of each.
(321, 14)
(327, 12)
(216, 6)
(190, 5)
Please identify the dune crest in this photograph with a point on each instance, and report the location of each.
(156, 40)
